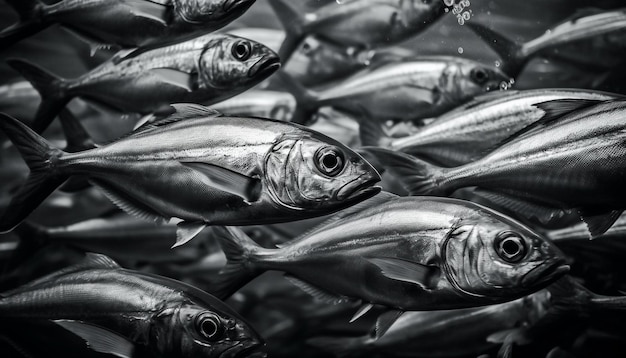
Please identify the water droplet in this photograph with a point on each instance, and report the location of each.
(460, 49)
(497, 63)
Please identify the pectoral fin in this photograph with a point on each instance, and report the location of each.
(407, 271)
(227, 180)
(175, 77)
(187, 230)
(100, 339)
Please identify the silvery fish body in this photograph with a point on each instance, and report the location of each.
(469, 132)
(125, 23)
(580, 232)
(137, 313)
(259, 103)
(206, 169)
(271, 38)
(406, 253)
(207, 69)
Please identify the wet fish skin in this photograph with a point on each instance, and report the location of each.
(472, 130)
(408, 89)
(452, 240)
(138, 311)
(259, 103)
(204, 169)
(364, 24)
(202, 70)
(125, 23)
(600, 33)
(579, 232)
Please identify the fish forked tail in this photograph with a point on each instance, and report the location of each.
(293, 25)
(509, 51)
(338, 346)
(306, 100)
(51, 88)
(44, 177)
(416, 176)
(239, 269)
(30, 22)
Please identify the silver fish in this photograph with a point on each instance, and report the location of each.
(358, 23)
(126, 23)
(472, 130)
(600, 32)
(580, 232)
(119, 312)
(258, 103)
(197, 166)
(207, 69)
(409, 89)
(405, 253)
(571, 159)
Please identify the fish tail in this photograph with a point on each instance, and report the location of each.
(240, 269)
(416, 176)
(45, 175)
(53, 91)
(30, 22)
(293, 24)
(338, 346)
(509, 51)
(306, 100)
(372, 133)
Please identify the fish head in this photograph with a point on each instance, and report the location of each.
(476, 78)
(310, 172)
(231, 62)
(495, 256)
(191, 330)
(211, 11)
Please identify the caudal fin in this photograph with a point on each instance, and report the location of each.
(293, 24)
(44, 175)
(30, 22)
(239, 269)
(509, 51)
(415, 175)
(51, 88)
(306, 100)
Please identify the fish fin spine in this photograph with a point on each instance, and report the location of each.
(46, 173)
(53, 91)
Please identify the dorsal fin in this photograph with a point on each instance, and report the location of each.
(175, 113)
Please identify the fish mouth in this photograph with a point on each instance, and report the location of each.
(264, 67)
(231, 5)
(357, 190)
(539, 276)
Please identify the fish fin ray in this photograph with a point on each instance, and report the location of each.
(93, 43)
(385, 321)
(127, 204)
(361, 311)
(317, 293)
(186, 231)
(99, 339)
(175, 77)
(248, 188)
(599, 223)
(407, 271)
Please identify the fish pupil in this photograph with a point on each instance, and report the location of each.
(510, 247)
(330, 161)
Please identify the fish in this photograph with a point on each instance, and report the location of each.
(259, 103)
(124, 23)
(410, 89)
(207, 69)
(124, 313)
(570, 159)
(579, 232)
(480, 329)
(201, 168)
(474, 129)
(271, 38)
(601, 33)
(404, 253)
(357, 23)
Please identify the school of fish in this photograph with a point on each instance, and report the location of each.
(312, 178)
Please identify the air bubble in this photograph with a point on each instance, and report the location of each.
(497, 63)
(460, 20)
(460, 49)
(466, 16)
(504, 86)
(448, 2)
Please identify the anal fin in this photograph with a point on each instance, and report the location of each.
(100, 339)
(316, 292)
(599, 223)
(187, 231)
(385, 321)
(128, 204)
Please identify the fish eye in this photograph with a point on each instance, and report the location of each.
(479, 76)
(510, 246)
(329, 161)
(209, 326)
(242, 50)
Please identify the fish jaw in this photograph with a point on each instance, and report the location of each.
(264, 67)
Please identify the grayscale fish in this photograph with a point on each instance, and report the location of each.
(601, 34)
(125, 23)
(405, 253)
(579, 232)
(473, 129)
(129, 314)
(194, 165)
(259, 103)
(207, 69)
(409, 89)
(357, 23)
(573, 158)
(271, 38)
